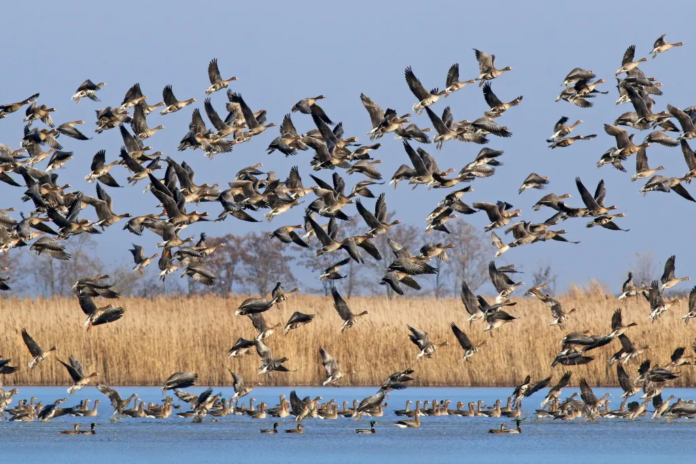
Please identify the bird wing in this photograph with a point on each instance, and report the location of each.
(586, 393)
(33, 347)
(492, 100)
(74, 373)
(485, 60)
(87, 304)
(586, 196)
(491, 210)
(369, 218)
(439, 125)
(373, 109)
(600, 193)
(682, 192)
(683, 118)
(626, 343)
(624, 380)
(249, 117)
(381, 208)
(629, 54)
(415, 85)
(535, 387)
(616, 320)
(559, 125)
(689, 156)
(668, 273)
(214, 72)
(340, 305)
(258, 322)
(416, 160)
(468, 298)
(112, 394)
(452, 74)
(168, 96)
(461, 337)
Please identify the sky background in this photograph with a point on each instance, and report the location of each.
(285, 51)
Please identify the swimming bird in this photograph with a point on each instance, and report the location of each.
(370, 430)
(506, 431)
(273, 430)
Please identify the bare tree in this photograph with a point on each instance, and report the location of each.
(544, 274)
(265, 262)
(224, 262)
(644, 268)
(469, 259)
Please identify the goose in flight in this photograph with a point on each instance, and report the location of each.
(349, 318)
(77, 374)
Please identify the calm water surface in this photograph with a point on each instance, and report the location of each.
(440, 439)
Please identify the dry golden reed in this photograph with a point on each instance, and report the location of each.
(157, 337)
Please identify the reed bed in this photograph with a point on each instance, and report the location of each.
(160, 336)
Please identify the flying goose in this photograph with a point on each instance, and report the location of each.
(425, 98)
(255, 127)
(469, 348)
(577, 74)
(500, 214)
(487, 69)
(534, 181)
(268, 362)
(333, 371)
(34, 348)
(661, 46)
(496, 105)
(77, 374)
(307, 105)
(254, 305)
(179, 380)
(453, 83)
(349, 318)
(119, 404)
(502, 283)
(668, 278)
(692, 306)
(172, 104)
(216, 80)
(98, 316)
(240, 389)
(617, 327)
(297, 320)
(421, 340)
(139, 123)
(561, 129)
(627, 62)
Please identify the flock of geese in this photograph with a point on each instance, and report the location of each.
(57, 210)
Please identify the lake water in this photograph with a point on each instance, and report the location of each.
(440, 439)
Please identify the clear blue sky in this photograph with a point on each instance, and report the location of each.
(282, 52)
